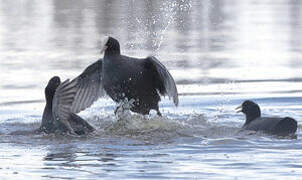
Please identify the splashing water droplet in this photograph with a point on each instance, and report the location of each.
(156, 25)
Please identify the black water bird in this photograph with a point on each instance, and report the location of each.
(124, 78)
(57, 115)
(271, 125)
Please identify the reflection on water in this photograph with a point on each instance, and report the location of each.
(219, 52)
(208, 38)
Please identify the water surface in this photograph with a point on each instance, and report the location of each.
(219, 52)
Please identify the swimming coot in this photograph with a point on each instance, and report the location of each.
(271, 125)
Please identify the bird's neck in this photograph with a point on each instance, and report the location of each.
(47, 119)
(49, 98)
(49, 93)
(112, 59)
(112, 52)
(251, 117)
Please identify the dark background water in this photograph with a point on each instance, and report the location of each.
(220, 52)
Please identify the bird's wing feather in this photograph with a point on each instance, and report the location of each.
(62, 101)
(89, 87)
(263, 123)
(167, 84)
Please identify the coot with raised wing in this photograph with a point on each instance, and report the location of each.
(124, 78)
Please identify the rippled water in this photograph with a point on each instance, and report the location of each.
(220, 52)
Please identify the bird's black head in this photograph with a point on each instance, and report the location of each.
(111, 46)
(51, 87)
(250, 109)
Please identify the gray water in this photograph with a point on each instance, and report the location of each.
(220, 52)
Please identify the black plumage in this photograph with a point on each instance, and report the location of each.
(57, 115)
(125, 78)
(271, 125)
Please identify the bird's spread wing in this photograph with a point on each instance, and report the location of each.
(89, 87)
(62, 101)
(166, 84)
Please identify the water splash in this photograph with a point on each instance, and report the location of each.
(228, 86)
(153, 128)
(157, 23)
(123, 108)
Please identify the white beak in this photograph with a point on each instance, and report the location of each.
(104, 42)
(238, 109)
(104, 49)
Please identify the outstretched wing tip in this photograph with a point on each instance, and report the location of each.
(176, 101)
(89, 87)
(63, 99)
(166, 77)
